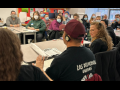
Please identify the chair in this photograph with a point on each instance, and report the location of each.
(117, 40)
(106, 65)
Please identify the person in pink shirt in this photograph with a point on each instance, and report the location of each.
(47, 21)
(56, 23)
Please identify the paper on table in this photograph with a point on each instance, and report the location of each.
(28, 30)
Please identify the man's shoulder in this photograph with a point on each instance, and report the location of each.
(9, 17)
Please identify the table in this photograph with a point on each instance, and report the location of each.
(21, 30)
(117, 32)
(30, 55)
(16, 32)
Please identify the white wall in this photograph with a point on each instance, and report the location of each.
(76, 10)
(5, 12)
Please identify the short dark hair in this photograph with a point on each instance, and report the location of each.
(85, 15)
(76, 15)
(13, 11)
(117, 15)
(60, 17)
(106, 22)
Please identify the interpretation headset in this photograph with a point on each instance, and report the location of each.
(67, 38)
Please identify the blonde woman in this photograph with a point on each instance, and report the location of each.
(101, 41)
(92, 18)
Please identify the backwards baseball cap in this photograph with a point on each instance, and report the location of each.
(75, 29)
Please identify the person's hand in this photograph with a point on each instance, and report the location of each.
(37, 29)
(39, 62)
(15, 25)
(32, 28)
(86, 33)
(18, 25)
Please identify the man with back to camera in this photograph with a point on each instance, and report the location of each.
(76, 62)
(13, 20)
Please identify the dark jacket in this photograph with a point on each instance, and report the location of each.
(118, 58)
(31, 73)
(106, 65)
(98, 46)
(87, 25)
(112, 34)
(115, 25)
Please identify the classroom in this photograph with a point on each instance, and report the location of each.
(59, 44)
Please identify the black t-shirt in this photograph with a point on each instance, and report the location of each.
(31, 73)
(72, 65)
(115, 25)
(98, 46)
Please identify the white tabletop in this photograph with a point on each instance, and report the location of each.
(117, 32)
(21, 29)
(30, 55)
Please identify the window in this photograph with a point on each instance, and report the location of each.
(112, 13)
(103, 12)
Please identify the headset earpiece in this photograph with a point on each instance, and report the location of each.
(67, 38)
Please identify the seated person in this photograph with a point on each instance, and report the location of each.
(47, 21)
(98, 19)
(42, 15)
(110, 31)
(36, 24)
(65, 12)
(66, 18)
(76, 16)
(54, 28)
(11, 58)
(56, 23)
(86, 22)
(101, 41)
(116, 22)
(13, 20)
(72, 64)
(108, 21)
(92, 19)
